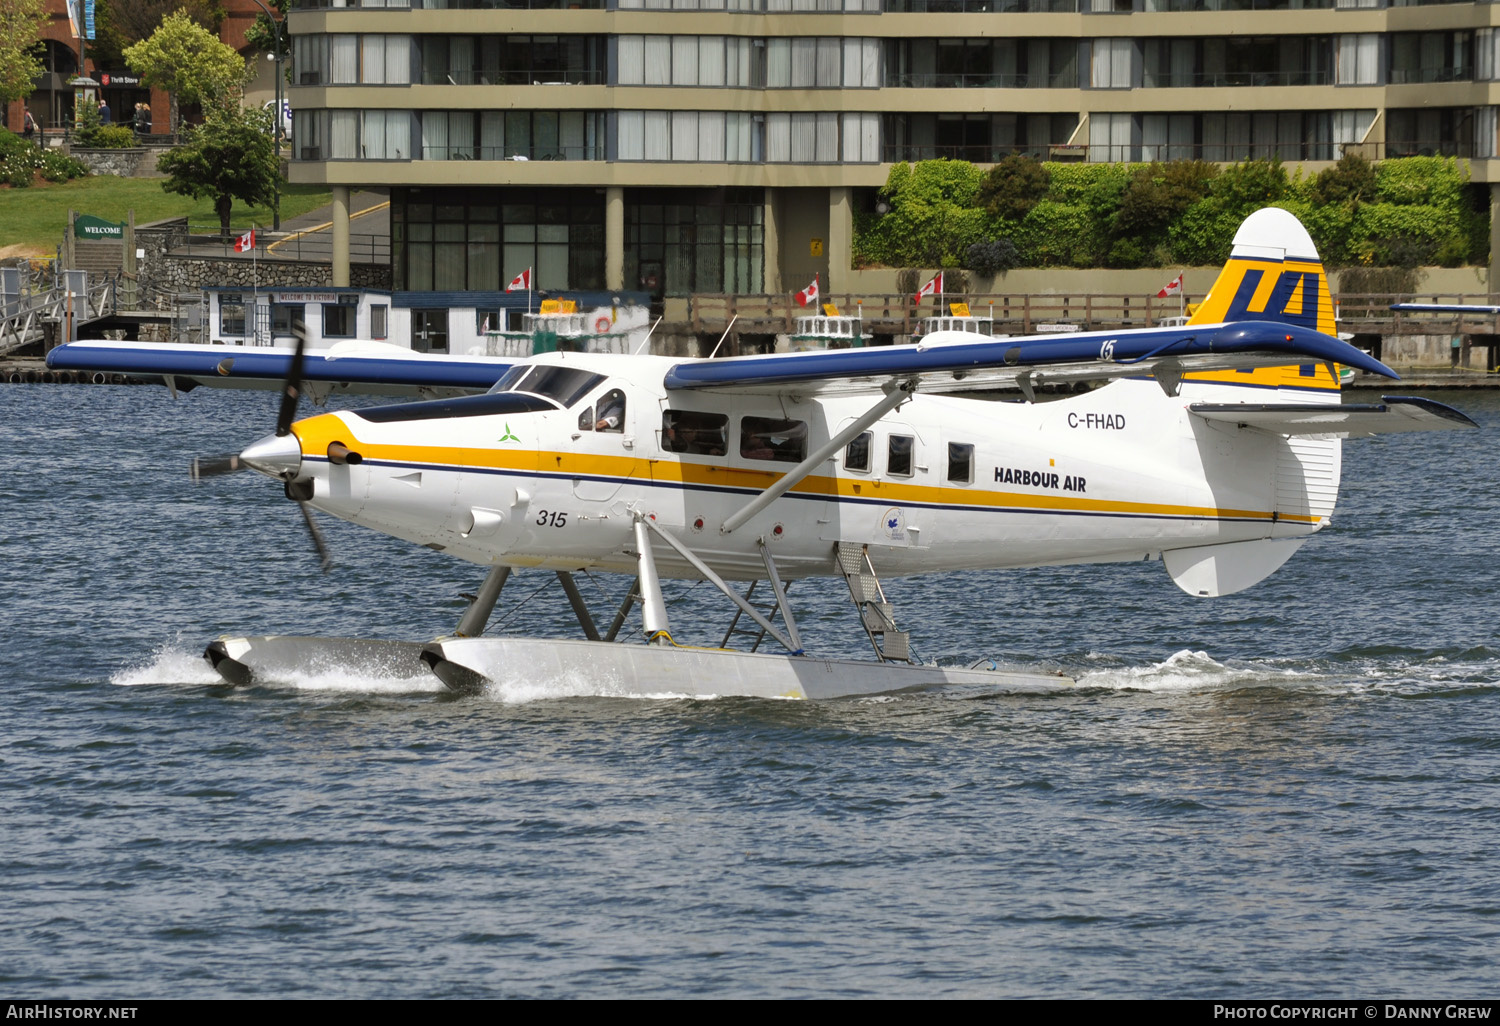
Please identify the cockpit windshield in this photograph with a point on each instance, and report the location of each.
(563, 385)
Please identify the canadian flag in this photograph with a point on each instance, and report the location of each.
(809, 294)
(245, 243)
(1172, 288)
(520, 282)
(932, 288)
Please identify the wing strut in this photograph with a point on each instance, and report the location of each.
(896, 394)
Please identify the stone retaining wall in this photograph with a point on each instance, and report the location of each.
(131, 162)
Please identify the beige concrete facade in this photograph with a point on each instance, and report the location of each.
(1342, 104)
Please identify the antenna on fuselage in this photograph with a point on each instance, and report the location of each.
(647, 340)
(723, 336)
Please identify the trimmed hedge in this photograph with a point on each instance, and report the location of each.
(948, 213)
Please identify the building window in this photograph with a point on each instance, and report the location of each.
(980, 138)
(339, 319)
(694, 240)
(283, 316)
(1115, 64)
(379, 320)
(512, 135)
(1358, 59)
(232, 315)
(480, 239)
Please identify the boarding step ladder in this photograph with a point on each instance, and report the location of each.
(890, 644)
(755, 630)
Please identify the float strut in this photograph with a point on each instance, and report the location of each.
(653, 607)
(624, 611)
(579, 609)
(478, 614)
(718, 582)
(779, 590)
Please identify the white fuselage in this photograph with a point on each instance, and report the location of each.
(1121, 473)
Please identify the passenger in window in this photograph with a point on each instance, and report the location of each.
(611, 412)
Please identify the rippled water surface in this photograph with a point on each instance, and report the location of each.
(1289, 792)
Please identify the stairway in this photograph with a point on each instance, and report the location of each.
(890, 644)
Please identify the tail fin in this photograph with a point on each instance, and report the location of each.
(1273, 274)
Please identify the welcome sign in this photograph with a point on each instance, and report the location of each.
(86, 226)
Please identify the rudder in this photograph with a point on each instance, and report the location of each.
(1274, 273)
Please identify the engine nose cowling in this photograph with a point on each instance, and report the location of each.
(278, 456)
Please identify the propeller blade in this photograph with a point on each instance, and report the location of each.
(291, 389)
(213, 466)
(317, 536)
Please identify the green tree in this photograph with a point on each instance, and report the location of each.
(1156, 195)
(1013, 186)
(229, 157)
(261, 36)
(932, 220)
(21, 24)
(120, 24)
(190, 63)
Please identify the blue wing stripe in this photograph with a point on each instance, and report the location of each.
(1299, 344)
(451, 372)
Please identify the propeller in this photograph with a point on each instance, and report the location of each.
(291, 394)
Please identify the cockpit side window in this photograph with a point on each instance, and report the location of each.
(611, 412)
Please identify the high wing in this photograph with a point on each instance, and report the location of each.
(354, 366)
(952, 361)
(1353, 420)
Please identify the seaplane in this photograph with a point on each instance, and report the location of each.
(1212, 447)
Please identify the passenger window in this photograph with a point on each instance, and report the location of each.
(898, 456)
(694, 432)
(960, 462)
(611, 412)
(857, 455)
(767, 438)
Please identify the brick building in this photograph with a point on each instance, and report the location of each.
(51, 104)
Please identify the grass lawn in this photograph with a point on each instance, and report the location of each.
(36, 217)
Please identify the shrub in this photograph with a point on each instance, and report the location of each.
(1351, 181)
(1057, 235)
(21, 160)
(988, 259)
(57, 166)
(1014, 186)
(1409, 235)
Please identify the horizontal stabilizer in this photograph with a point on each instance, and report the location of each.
(1351, 420)
(1213, 570)
(1461, 308)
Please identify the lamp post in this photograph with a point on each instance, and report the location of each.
(278, 56)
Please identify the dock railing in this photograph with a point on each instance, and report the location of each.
(1022, 314)
(897, 314)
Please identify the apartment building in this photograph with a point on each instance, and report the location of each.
(682, 146)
